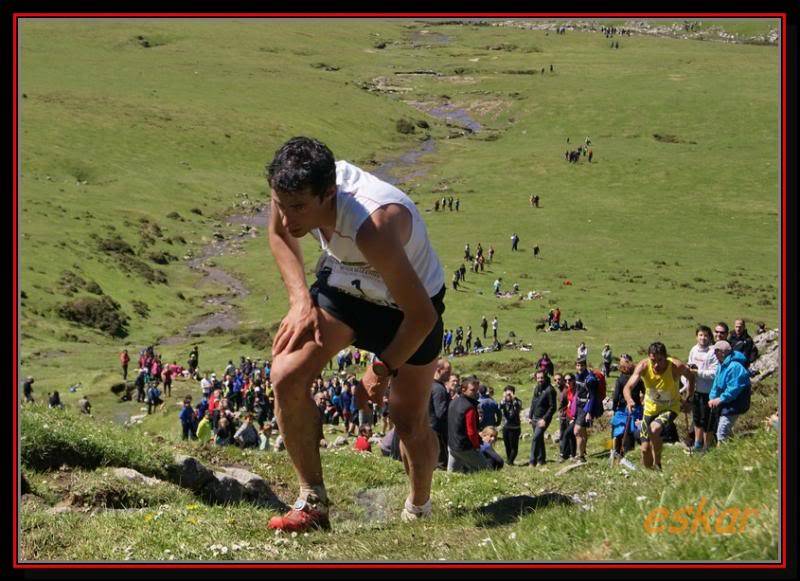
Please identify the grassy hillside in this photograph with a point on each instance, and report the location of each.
(139, 139)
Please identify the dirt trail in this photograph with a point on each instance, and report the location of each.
(225, 316)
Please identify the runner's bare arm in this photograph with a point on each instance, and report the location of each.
(681, 369)
(381, 239)
(632, 381)
(302, 315)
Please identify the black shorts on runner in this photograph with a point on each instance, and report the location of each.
(375, 325)
(701, 413)
(664, 418)
(580, 419)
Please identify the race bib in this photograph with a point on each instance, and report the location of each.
(358, 280)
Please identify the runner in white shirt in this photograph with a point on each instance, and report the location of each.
(380, 287)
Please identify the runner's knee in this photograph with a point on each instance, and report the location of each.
(289, 379)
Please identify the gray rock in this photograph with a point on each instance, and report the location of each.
(254, 486)
(132, 475)
(769, 359)
(189, 473)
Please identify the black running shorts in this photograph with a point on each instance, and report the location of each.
(375, 325)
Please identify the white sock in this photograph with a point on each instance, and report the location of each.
(414, 509)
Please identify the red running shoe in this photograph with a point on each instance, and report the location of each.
(302, 517)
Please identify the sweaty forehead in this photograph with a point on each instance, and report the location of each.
(284, 198)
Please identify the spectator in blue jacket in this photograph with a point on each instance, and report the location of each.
(489, 413)
(187, 419)
(202, 408)
(585, 393)
(730, 392)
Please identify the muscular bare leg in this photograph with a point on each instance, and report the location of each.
(292, 375)
(419, 446)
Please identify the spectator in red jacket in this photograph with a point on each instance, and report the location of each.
(124, 359)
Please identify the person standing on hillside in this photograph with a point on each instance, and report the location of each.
(514, 241)
(619, 405)
(380, 286)
(543, 407)
(511, 408)
(731, 390)
(463, 439)
(488, 411)
(494, 327)
(583, 351)
(27, 389)
(741, 341)
(662, 401)
(566, 414)
(703, 362)
(439, 403)
(484, 325)
(124, 359)
(585, 394)
(608, 356)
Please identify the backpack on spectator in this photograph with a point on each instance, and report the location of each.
(598, 409)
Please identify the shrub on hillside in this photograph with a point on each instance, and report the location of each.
(405, 126)
(70, 283)
(52, 437)
(261, 339)
(141, 308)
(161, 257)
(103, 313)
(94, 288)
(115, 245)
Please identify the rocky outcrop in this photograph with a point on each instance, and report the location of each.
(769, 358)
(132, 475)
(222, 486)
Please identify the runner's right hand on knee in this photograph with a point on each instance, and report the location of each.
(301, 322)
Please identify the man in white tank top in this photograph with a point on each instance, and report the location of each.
(380, 287)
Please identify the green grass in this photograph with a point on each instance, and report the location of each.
(655, 235)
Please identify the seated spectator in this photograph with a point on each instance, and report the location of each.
(264, 435)
(246, 436)
(362, 442)
(55, 401)
(224, 433)
(489, 437)
(85, 406)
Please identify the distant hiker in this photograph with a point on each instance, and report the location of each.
(194, 360)
(450, 203)
(54, 401)
(531, 200)
(436, 206)
(511, 408)
(545, 364)
(467, 255)
(463, 272)
(662, 402)
(187, 418)
(479, 251)
(153, 398)
(536, 200)
(458, 204)
(551, 68)
(543, 407)
(607, 356)
(491, 253)
(583, 351)
(494, 327)
(456, 278)
(166, 377)
(496, 287)
(140, 381)
(27, 389)
(84, 406)
(514, 241)
(124, 359)
(536, 251)
(731, 390)
(590, 155)
(484, 325)
(468, 341)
